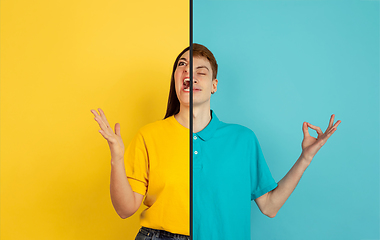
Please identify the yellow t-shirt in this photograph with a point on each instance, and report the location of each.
(157, 166)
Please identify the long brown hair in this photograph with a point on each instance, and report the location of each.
(198, 51)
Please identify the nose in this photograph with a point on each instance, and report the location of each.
(187, 71)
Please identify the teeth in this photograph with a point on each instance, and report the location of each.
(186, 90)
(186, 80)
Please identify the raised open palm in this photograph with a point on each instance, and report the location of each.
(311, 145)
(113, 138)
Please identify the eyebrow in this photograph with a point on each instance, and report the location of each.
(183, 59)
(202, 67)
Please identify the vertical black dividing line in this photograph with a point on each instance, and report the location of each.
(191, 119)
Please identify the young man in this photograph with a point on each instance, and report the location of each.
(228, 165)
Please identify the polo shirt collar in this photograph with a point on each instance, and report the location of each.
(210, 129)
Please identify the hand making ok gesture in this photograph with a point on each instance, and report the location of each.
(311, 145)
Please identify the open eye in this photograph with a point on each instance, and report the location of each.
(181, 63)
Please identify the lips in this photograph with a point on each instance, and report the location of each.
(186, 85)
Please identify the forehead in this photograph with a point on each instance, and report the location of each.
(197, 60)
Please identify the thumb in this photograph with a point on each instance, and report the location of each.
(305, 130)
(117, 129)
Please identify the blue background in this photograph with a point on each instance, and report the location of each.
(285, 62)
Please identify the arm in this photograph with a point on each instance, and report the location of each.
(125, 201)
(271, 202)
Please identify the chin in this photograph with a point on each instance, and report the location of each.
(184, 99)
(185, 104)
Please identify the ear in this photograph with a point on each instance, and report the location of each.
(214, 85)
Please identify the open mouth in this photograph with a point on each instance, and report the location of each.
(186, 84)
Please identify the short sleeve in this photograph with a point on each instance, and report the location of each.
(136, 164)
(261, 177)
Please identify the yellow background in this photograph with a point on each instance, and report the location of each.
(59, 59)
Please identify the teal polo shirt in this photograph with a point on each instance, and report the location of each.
(229, 171)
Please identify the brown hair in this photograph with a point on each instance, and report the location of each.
(198, 51)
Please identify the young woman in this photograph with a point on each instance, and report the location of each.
(228, 165)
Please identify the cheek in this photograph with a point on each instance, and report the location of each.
(177, 87)
(176, 77)
(177, 84)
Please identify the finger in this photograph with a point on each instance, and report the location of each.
(336, 124)
(103, 117)
(98, 117)
(328, 134)
(117, 129)
(94, 112)
(103, 134)
(318, 129)
(305, 130)
(102, 125)
(331, 121)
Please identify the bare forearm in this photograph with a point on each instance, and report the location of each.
(278, 196)
(122, 196)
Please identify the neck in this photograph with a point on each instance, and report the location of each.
(201, 117)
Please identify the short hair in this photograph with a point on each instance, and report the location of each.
(201, 51)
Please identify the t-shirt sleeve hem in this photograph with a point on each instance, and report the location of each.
(137, 185)
(262, 191)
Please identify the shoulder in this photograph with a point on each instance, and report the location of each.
(150, 131)
(236, 129)
(238, 133)
(156, 127)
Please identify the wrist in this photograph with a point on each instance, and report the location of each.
(117, 161)
(305, 160)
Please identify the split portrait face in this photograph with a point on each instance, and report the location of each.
(204, 80)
